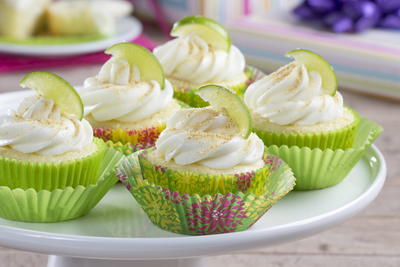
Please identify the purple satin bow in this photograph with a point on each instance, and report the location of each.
(350, 15)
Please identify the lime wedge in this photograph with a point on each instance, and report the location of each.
(208, 29)
(315, 62)
(52, 86)
(148, 65)
(220, 97)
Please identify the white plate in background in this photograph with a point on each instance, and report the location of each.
(127, 29)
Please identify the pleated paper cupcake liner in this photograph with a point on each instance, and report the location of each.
(316, 168)
(137, 139)
(208, 183)
(194, 214)
(341, 138)
(125, 149)
(52, 175)
(188, 95)
(128, 141)
(60, 204)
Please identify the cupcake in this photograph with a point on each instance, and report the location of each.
(298, 105)
(207, 173)
(21, 18)
(86, 17)
(45, 143)
(202, 54)
(129, 100)
(51, 167)
(299, 114)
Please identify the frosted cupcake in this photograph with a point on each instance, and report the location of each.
(129, 100)
(45, 143)
(202, 54)
(298, 105)
(86, 17)
(21, 18)
(208, 162)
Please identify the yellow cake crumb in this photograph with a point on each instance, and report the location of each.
(263, 124)
(8, 152)
(240, 79)
(156, 159)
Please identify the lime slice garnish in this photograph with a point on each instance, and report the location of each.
(148, 65)
(220, 97)
(208, 29)
(52, 86)
(315, 62)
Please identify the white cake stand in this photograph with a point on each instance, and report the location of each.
(117, 233)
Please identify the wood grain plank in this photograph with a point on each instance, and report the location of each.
(14, 258)
(309, 260)
(376, 236)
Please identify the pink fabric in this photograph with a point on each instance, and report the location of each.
(161, 18)
(246, 7)
(10, 63)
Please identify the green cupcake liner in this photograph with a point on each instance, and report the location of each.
(316, 168)
(341, 138)
(125, 149)
(188, 96)
(194, 214)
(207, 183)
(52, 175)
(60, 204)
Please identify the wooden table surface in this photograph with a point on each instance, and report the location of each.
(370, 239)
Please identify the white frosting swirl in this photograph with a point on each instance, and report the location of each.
(190, 58)
(293, 95)
(207, 137)
(117, 93)
(39, 127)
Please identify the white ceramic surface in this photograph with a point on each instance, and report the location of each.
(118, 229)
(127, 29)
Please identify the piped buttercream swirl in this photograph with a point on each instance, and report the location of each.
(190, 58)
(207, 137)
(117, 93)
(39, 127)
(293, 96)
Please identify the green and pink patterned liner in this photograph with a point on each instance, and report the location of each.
(196, 214)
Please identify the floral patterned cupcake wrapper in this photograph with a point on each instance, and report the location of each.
(188, 95)
(317, 168)
(194, 214)
(126, 139)
(254, 182)
(52, 175)
(342, 138)
(58, 205)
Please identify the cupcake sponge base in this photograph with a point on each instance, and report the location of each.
(340, 138)
(205, 183)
